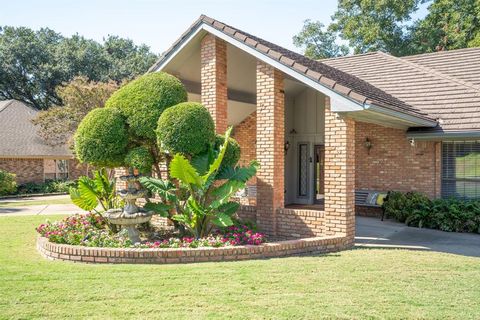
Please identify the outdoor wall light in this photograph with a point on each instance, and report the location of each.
(286, 146)
(368, 144)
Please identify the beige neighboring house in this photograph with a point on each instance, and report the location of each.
(26, 154)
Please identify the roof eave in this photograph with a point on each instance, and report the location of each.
(444, 135)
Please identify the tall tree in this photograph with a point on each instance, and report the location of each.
(318, 43)
(449, 24)
(370, 25)
(34, 63)
(58, 124)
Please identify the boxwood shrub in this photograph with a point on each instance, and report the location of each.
(143, 100)
(186, 128)
(102, 138)
(416, 209)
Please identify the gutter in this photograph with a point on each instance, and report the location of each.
(419, 121)
(444, 135)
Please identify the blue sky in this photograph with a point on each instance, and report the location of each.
(159, 23)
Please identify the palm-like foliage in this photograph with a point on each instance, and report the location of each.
(99, 191)
(201, 199)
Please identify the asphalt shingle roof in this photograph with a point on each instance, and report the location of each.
(18, 135)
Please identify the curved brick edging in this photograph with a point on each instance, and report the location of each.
(184, 255)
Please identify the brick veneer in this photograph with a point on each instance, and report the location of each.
(339, 174)
(214, 79)
(184, 255)
(393, 164)
(26, 170)
(300, 223)
(246, 135)
(270, 149)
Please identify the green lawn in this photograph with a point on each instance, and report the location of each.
(7, 203)
(355, 284)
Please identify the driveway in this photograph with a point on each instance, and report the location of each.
(21, 206)
(371, 232)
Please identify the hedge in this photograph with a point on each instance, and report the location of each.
(232, 154)
(8, 184)
(141, 159)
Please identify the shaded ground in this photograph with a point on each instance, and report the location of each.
(354, 284)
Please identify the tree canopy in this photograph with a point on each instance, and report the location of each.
(389, 25)
(33, 63)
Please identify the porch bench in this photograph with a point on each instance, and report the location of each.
(371, 198)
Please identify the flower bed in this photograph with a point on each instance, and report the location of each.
(90, 231)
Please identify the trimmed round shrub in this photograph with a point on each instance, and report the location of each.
(102, 138)
(186, 128)
(232, 154)
(143, 100)
(141, 159)
(8, 185)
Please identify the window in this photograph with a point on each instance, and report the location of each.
(55, 169)
(302, 169)
(461, 169)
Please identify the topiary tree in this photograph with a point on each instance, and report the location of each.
(143, 100)
(186, 128)
(141, 159)
(232, 153)
(124, 132)
(102, 138)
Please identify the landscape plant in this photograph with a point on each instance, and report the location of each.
(8, 184)
(416, 209)
(201, 200)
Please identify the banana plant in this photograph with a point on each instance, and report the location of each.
(201, 198)
(92, 193)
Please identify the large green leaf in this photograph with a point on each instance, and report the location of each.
(238, 173)
(88, 192)
(202, 162)
(79, 201)
(229, 208)
(212, 171)
(164, 188)
(159, 208)
(181, 169)
(103, 184)
(222, 220)
(223, 193)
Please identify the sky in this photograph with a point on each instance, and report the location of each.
(159, 23)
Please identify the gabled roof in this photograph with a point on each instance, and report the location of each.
(18, 135)
(336, 80)
(444, 85)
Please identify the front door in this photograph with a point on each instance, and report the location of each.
(319, 173)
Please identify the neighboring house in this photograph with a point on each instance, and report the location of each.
(323, 129)
(25, 154)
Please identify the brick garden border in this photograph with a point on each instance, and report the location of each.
(56, 251)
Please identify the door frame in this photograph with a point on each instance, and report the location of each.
(322, 146)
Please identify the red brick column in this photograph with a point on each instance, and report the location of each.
(270, 146)
(339, 174)
(214, 79)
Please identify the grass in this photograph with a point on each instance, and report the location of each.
(6, 203)
(354, 284)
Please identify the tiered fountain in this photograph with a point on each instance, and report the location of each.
(130, 215)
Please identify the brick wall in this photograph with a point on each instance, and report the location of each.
(27, 170)
(77, 169)
(213, 55)
(339, 174)
(300, 223)
(270, 150)
(393, 164)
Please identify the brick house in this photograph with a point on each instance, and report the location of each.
(323, 129)
(25, 154)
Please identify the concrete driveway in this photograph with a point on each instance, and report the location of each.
(37, 209)
(371, 232)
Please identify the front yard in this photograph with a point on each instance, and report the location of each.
(361, 283)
